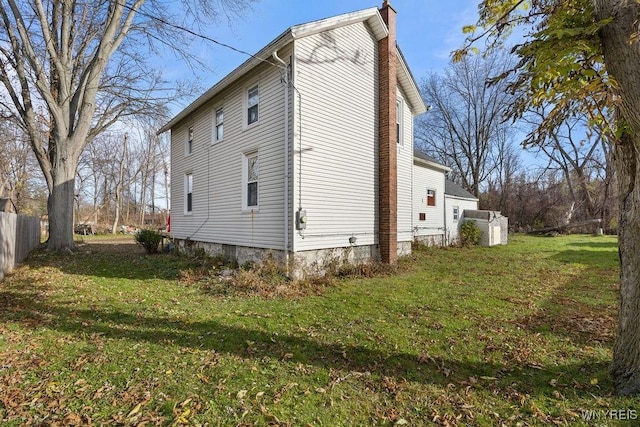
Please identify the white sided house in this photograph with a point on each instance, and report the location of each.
(458, 202)
(438, 203)
(428, 186)
(304, 151)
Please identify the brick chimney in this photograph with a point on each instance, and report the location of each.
(387, 140)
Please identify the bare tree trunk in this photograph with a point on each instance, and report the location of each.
(119, 182)
(144, 178)
(622, 54)
(60, 205)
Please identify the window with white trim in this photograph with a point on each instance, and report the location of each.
(253, 100)
(431, 197)
(251, 179)
(188, 192)
(189, 146)
(219, 130)
(456, 213)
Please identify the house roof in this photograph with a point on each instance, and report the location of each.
(423, 159)
(455, 190)
(373, 19)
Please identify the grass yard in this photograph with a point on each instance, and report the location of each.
(513, 335)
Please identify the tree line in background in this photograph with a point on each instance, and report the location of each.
(72, 71)
(560, 177)
(122, 178)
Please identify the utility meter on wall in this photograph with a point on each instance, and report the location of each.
(301, 219)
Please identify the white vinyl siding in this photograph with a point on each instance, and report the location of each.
(427, 178)
(405, 172)
(399, 122)
(219, 216)
(336, 75)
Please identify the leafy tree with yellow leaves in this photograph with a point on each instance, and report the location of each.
(583, 55)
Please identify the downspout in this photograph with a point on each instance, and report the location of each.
(445, 238)
(286, 160)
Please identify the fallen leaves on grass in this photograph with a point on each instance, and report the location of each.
(574, 320)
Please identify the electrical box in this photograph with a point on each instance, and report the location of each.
(301, 219)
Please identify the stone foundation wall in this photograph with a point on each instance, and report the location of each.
(404, 248)
(431, 240)
(242, 254)
(301, 264)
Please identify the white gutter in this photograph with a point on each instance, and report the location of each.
(286, 160)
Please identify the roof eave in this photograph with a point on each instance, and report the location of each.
(370, 15)
(263, 55)
(453, 196)
(409, 85)
(431, 164)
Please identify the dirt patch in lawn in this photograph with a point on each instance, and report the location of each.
(115, 244)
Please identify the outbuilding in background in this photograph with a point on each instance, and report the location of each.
(494, 226)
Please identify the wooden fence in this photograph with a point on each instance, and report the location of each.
(19, 235)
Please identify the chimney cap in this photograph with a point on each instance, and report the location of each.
(387, 5)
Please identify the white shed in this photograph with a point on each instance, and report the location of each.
(494, 226)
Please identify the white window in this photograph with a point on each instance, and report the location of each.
(399, 131)
(189, 146)
(188, 191)
(456, 213)
(253, 99)
(431, 197)
(219, 133)
(251, 178)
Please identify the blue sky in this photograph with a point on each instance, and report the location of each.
(427, 31)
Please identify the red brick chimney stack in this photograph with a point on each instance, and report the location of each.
(388, 140)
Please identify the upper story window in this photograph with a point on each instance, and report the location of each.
(456, 213)
(219, 133)
(431, 197)
(399, 114)
(251, 178)
(188, 187)
(189, 147)
(253, 100)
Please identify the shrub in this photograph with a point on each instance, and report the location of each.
(149, 239)
(470, 234)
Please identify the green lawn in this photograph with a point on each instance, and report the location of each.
(512, 335)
